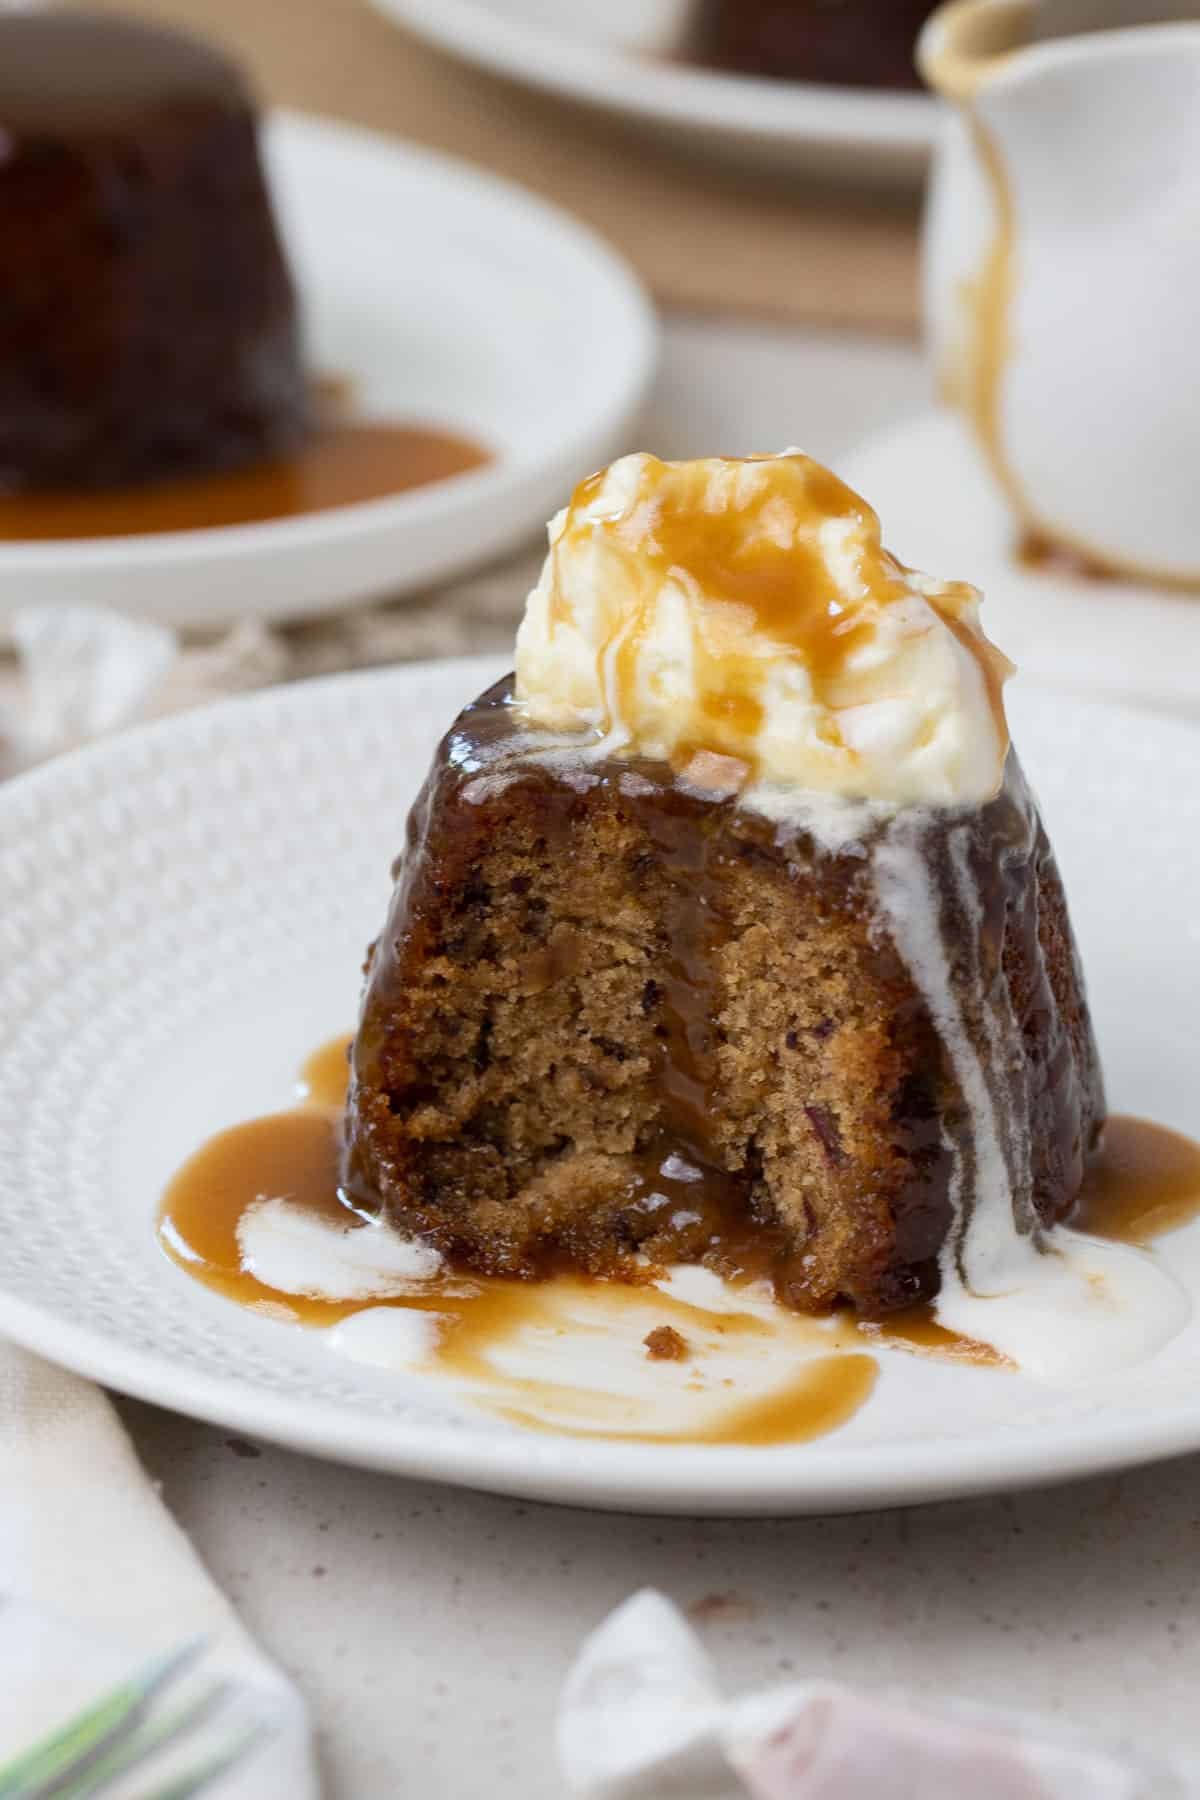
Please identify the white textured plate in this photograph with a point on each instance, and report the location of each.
(446, 297)
(182, 917)
(612, 57)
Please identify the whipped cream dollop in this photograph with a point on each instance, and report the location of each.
(747, 609)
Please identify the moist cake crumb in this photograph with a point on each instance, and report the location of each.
(613, 1024)
(665, 1344)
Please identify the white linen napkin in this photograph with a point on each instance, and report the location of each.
(96, 1578)
(642, 1718)
(84, 671)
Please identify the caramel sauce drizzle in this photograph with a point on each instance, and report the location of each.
(342, 464)
(1144, 1182)
(918, 1332)
(973, 48)
(988, 300)
(748, 543)
(1062, 555)
(1039, 552)
(827, 1393)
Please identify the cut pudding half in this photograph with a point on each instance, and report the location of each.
(727, 931)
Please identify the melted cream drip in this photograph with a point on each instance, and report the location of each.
(1063, 1306)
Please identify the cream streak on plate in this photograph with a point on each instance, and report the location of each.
(583, 1352)
(1081, 1307)
(1070, 1307)
(297, 1252)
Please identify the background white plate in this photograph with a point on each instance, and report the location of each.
(604, 56)
(182, 917)
(447, 297)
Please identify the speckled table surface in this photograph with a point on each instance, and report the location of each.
(429, 1629)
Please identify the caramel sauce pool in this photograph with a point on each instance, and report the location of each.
(295, 1154)
(325, 1075)
(1146, 1181)
(343, 462)
(919, 1332)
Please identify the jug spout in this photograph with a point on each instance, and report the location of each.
(967, 41)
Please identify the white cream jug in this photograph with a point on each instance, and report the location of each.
(1062, 267)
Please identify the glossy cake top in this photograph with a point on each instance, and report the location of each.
(64, 72)
(746, 609)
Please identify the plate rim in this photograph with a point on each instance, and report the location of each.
(834, 115)
(620, 288)
(605, 1474)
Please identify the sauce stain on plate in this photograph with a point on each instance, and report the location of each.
(486, 1333)
(342, 464)
(918, 1331)
(1144, 1183)
(325, 1074)
(257, 1215)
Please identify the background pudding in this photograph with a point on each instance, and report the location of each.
(148, 327)
(854, 43)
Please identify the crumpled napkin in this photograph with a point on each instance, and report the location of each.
(84, 671)
(642, 1718)
(96, 1578)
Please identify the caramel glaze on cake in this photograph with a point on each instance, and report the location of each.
(147, 320)
(611, 1013)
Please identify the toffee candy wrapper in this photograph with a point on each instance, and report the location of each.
(642, 1718)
